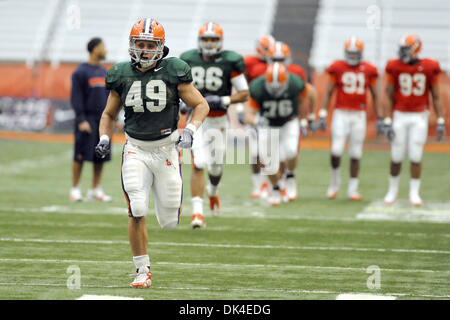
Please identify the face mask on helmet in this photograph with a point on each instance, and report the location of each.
(353, 58)
(145, 52)
(405, 53)
(209, 46)
(276, 89)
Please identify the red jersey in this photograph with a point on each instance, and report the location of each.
(412, 83)
(260, 69)
(296, 69)
(352, 83)
(253, 67)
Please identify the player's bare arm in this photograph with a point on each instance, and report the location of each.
(323, 112)
(109, 116)
(240, 96)
(376, 107)
(327, 96)
(437, 105)
(194, 99)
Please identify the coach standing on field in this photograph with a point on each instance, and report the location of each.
(88, 99)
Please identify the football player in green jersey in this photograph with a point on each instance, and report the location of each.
(215, 72)
(149, 87)
(277, 102)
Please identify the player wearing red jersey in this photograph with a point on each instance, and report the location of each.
(410, 81)
(351, 78)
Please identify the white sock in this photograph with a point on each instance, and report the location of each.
(212, 190)
(197, 205)
(336, 176)
(256, 178)
(414, 185)
(353, 185)
(141, 261)
(394, 182)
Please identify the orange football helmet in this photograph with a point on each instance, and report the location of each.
(147, 30)
(280, 52)
(210, 39)
(409, 47)
(276, 79)
(353, 50)
(263, 44)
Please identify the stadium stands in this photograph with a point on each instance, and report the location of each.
(58, 30)
(336, 20)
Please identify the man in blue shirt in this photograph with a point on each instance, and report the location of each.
(88, 99)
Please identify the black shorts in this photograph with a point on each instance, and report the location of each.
(85, 144)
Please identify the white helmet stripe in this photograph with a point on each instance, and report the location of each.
(210, 28)
(276, 70)
(147, 25)
(352, 46)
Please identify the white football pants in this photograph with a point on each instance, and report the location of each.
(349, 125)
(411, 130)
(154, 165)
(209, 146)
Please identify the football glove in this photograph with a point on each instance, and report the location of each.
(388, 130)
(187, 137)
(379, 126)
(103, 147)
(184, 109)
(303, 128)
(262, 121)
(440, 129)
(241, 117)
(312, 123)
(322, 124)
(216, 103)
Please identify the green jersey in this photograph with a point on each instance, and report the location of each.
(150, 98)
(214, 77)
(278, 110)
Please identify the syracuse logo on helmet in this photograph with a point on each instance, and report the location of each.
(409, 47)
(353, 50)
(276, 79)
(146, 30)
(210, 39)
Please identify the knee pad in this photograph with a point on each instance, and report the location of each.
(415, 152)
(198, 160)
(169, 225)
(337, 145)
(355, 149)
(398, 149)
(215, 169)
(138, 208)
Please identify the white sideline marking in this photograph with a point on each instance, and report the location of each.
(401, 210)
(363, 296)
(215, 265)
(218, 245)
(105, 297)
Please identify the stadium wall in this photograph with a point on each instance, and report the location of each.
(19, 81)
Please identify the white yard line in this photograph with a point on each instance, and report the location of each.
(21, 165)
(220, 289)
(299, 230)
(219, 245)
(214, 265)
(364, 296)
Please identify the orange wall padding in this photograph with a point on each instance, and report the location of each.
(45, 81)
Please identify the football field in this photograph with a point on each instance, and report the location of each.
(313, 248)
